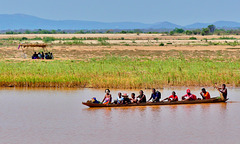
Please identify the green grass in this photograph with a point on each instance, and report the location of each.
(227, 38)
(119, 72)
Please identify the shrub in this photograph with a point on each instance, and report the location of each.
(192, 38)
(161, 44)
(24, 38)
(74, 38)
(37, 38)
(48, 39)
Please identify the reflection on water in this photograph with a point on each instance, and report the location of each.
(56, 116)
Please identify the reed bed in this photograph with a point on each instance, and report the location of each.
(119, 72)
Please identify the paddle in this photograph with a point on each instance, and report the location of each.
(221, 95)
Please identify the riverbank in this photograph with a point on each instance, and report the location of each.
(124, 61)
(120, 72)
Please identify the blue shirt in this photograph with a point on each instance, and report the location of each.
(156, 95)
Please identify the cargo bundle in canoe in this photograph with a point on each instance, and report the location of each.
(212, 100)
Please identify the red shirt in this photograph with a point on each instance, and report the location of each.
(191, 96)
(172, 97)
(207, 95)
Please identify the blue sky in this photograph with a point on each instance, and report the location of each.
(181, 12)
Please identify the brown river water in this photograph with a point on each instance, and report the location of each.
(56, 116)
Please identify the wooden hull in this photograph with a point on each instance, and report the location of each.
(212, 100)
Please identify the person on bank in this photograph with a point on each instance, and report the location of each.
(141, 98)
(133, 98)
(35, 55)
(172, 98)
(108, 97)
(155, 96)
(205, 94)
(222, 90)
(189, 96)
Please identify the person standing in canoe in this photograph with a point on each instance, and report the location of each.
(172, 98)
(189, 96)
(156, 96)
(205, 94)
(108, 97)
(222, 90)
(141, 98)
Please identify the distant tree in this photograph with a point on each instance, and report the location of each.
(188, 32)
(80, 32)
(171, 33)
(196, 31)
(205, 31)
(165, 33)
(177, 30)
(137, 31)
(211, 28)
(53, 31)
(27, 32)
(109, 31)
(123, 32)
(9, 32)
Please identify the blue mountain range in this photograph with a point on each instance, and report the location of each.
(22, 21)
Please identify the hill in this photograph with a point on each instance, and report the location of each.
(22, 21)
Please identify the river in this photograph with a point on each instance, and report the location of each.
(56, 116)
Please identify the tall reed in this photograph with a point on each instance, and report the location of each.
(119, 72)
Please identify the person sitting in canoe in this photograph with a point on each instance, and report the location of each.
(141, 97)
(94, 100)
(189, 96)
(205, 94)
(120, 98)
(126, 100)
(133, 98)
(108, 97)
(155, 96)
(172, 98)
(222, 90)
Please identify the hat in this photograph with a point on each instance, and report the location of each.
(125, 95)
(188, 90)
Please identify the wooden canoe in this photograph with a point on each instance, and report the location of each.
(212, 100)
